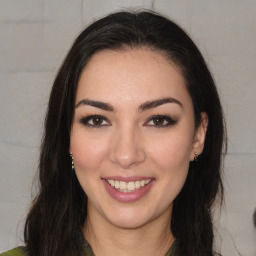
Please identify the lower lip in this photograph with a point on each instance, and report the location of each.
(127, 197)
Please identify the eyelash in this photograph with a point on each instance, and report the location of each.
(167, 121)
(85, 121)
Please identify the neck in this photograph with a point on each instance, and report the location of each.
(153, 238)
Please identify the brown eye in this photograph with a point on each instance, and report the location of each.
(95, 121)
(158, 121)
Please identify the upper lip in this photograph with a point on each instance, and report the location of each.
(127, 179)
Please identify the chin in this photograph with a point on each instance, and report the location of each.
(128, 219)
(138, 218)
(132, 223)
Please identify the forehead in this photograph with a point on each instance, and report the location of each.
(131, 74)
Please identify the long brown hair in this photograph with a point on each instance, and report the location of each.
(60, 207)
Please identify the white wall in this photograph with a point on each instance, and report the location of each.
(36, 34)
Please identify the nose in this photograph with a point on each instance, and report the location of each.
(127, 148)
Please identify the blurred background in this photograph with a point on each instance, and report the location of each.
(35, 35)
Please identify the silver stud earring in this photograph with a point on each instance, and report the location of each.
(196, 156)
(72, 161)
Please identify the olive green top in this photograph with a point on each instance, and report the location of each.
(88, 250)
(21, 251)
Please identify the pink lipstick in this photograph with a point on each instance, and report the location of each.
(128, 189)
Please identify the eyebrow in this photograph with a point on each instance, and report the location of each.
(155, 103)
(97, 104)
(143, 107)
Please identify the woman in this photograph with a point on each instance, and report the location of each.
(131, 156)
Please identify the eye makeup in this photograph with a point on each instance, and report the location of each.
(94, 121)
(155, 121)
(161, 121)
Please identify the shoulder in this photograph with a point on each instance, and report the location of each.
(19, 251)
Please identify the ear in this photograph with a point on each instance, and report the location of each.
(199, 138)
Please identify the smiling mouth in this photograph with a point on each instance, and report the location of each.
(128, 187)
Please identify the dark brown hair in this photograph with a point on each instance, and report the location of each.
(60, 207)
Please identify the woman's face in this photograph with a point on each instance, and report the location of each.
(133, 136)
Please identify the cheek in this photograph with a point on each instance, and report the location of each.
(172, 159)
(88, 152)
(172, 152)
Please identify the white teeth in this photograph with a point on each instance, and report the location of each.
(117, 184)
(130, 186)
(137, 184)
(122, 185)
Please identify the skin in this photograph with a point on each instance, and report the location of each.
(129, 141)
